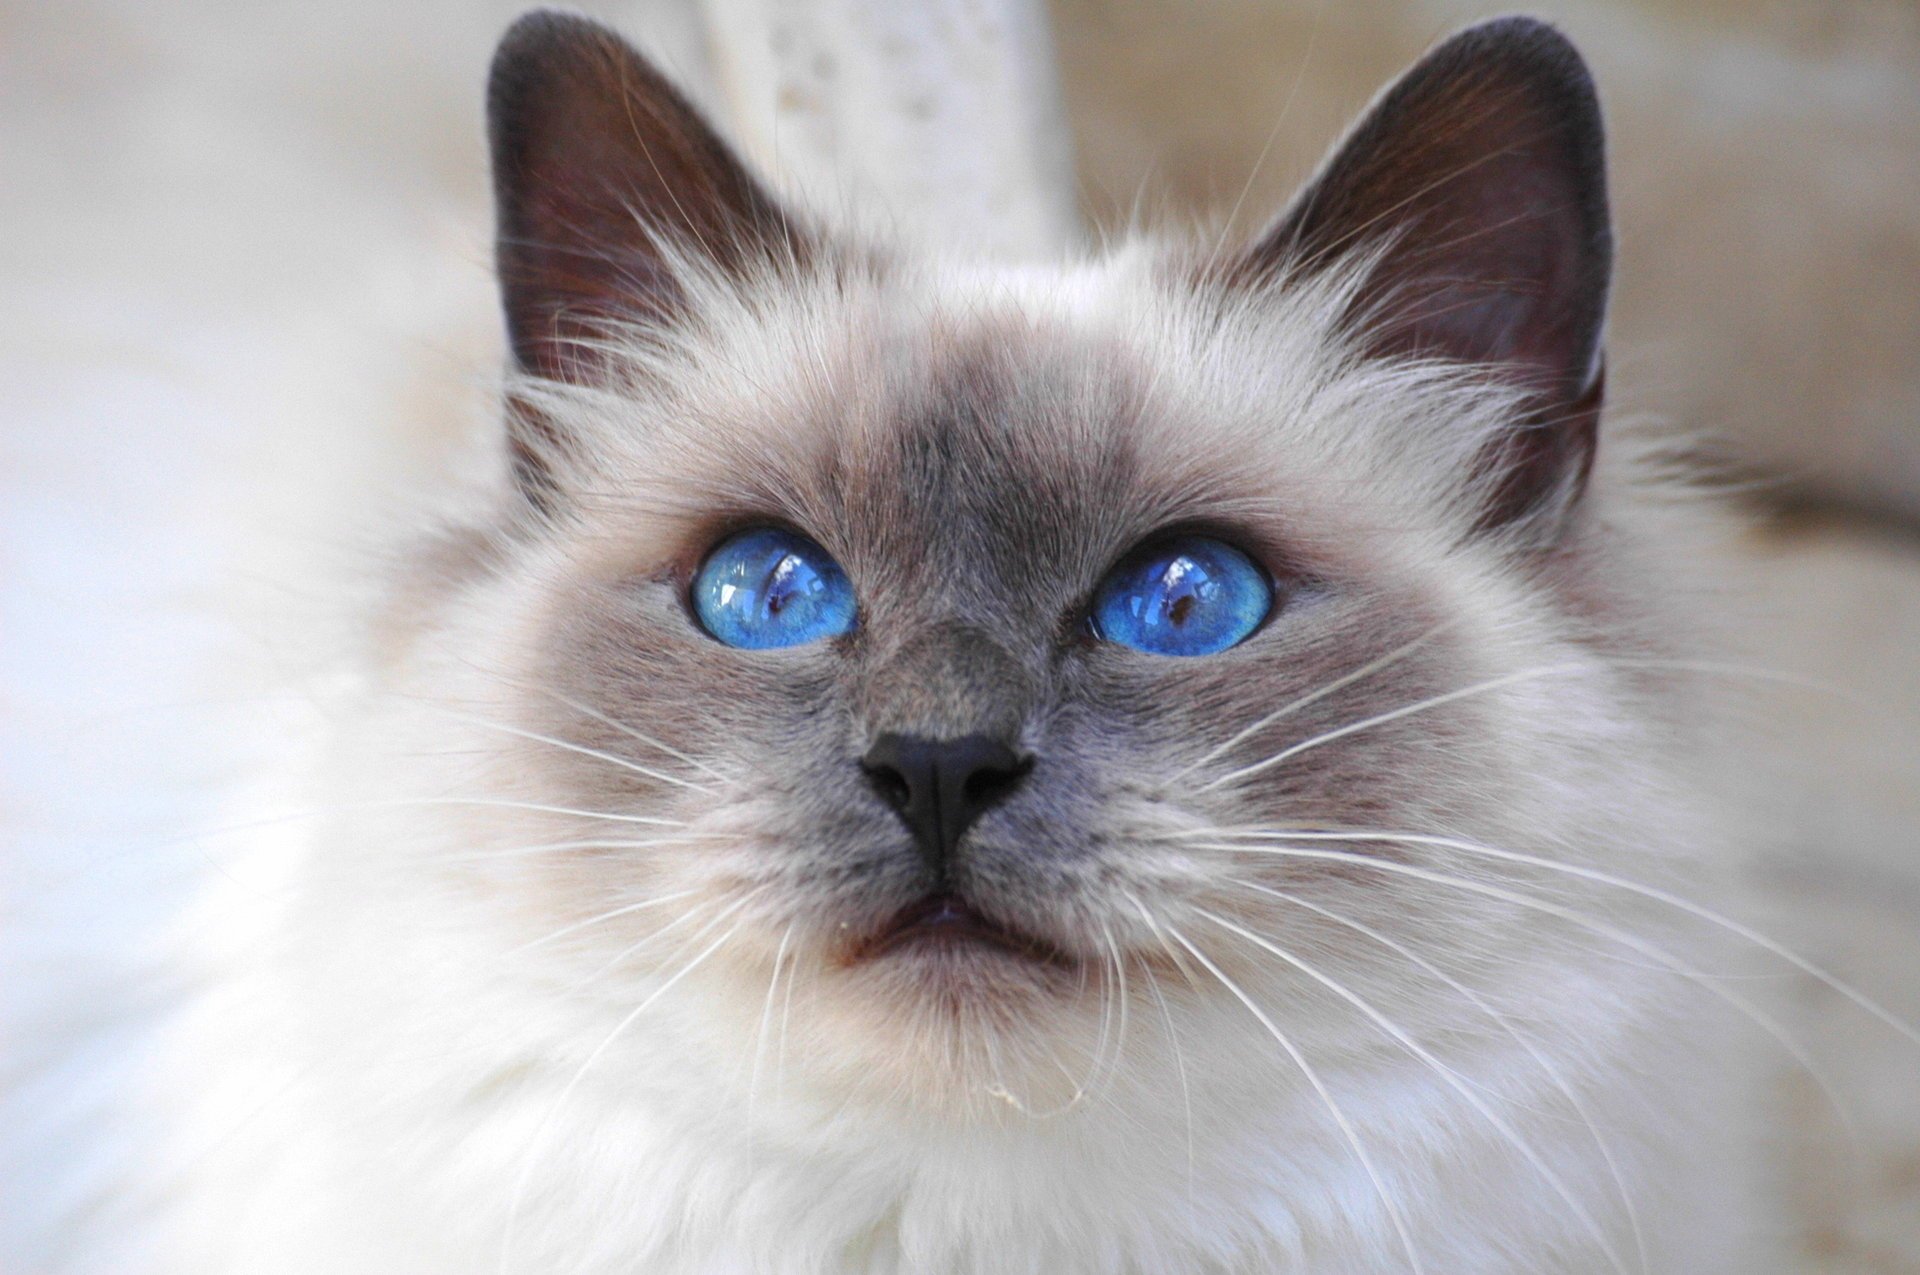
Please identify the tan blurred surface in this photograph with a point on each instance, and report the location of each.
(1765, 168)
(1835, 771)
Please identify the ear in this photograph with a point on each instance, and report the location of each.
(605, 176)
(1480, 177)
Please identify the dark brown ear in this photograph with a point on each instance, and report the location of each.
(1481, 176)
(599, 164)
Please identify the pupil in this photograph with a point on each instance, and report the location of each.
(780, 585)
(1182, 607)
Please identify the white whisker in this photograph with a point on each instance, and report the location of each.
(558, 847)
(1506, 1024)
(500, 803)
(1312, 697)
(1655, 893)
(1120, 997)
(1392, 715)
(403, 803)
(760, 1033)
(786, 1016)
(628, 910)
(633, 733)
(632, 950)
(614, 759)
(1624, 938)
(1173, 1040)
(1394, 1216)
(553, 1115)
(1098, 1063)
(1708, 667)
(1266, 147)
(1447, 1074)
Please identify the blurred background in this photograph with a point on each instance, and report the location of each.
(249, 323)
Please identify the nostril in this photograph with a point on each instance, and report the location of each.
(991, 785)
(889, 783)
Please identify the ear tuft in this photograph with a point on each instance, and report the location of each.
(1480, 179)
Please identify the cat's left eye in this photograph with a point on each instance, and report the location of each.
(770, 587)
(1192, 595)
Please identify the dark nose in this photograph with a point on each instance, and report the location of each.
(941, 786)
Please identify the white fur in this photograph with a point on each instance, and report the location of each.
(360, 1080)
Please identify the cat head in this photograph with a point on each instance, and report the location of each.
(932, 654)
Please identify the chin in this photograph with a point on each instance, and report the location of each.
(955, 1018)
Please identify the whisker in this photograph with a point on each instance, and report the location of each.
(1319, 1087)
(1097, 1061)
(786, 1014)
(1449, 1075)
(1083, 1086)
(402, 803)
(760, 1033)
(501, 803)
(1173, 1040)
(1392, 715)
(538, 807)
(1001, 1090)
(632, 950)
(1186, 1089)
(1266, 148)
(1119, 999)
(1624, 938)
(634, 733)
(577, 926)
(1506, 1024)
(557, 847)
(624, 763)
(553, 1115)
(1655, 893)
(1598, 664)
(1312, 697)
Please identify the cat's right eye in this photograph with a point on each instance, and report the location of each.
(1189, 596)
(769, 587)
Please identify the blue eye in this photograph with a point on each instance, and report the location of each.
(1188, 596)
(766, 588)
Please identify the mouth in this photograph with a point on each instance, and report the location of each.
(947, 922)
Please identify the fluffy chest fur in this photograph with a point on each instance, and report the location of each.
(1129, 1181)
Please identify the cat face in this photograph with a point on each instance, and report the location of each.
(1155, 623)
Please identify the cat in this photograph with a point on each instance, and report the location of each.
(927, 765)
